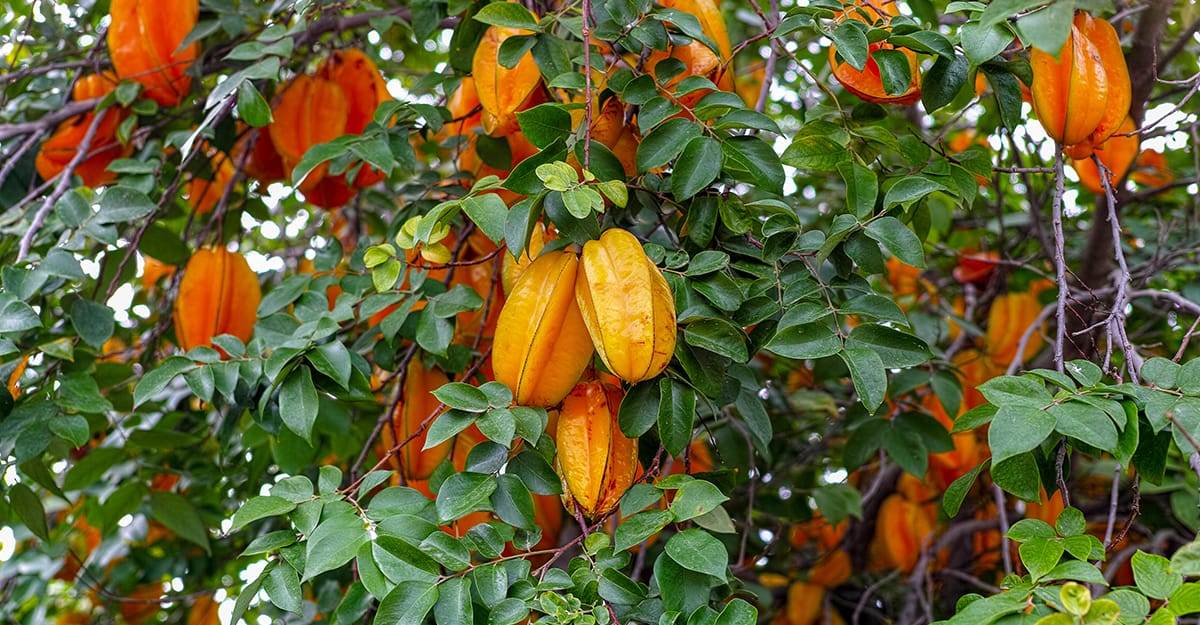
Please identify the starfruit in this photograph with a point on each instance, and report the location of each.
(542, 346)
(1117, 154)
(1081, 96)
(627, 306)
(595, 461)
(502, 91)
(416, 404)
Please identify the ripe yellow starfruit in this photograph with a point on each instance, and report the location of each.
(627, 306)
(416, 404)
(502, 91)
(596, 461)
(542, 346)
(1082, 96)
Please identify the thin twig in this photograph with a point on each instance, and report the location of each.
(64, 183)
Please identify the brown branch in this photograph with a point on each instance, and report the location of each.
(71, 109)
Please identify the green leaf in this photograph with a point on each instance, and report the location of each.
(868, 375)
(283, 587)
(862, 188)
(510, 611)
(453, 606)
(635, 529)
(944, 80)
(507, 14)
(448, 424)
(333, 543)
(898, 239)
(697, 550)
(1185, 600)
(982, 43)
(838, 501)
(816, 153)
(92, 321)
(896, 349)
(544, 124)
(120, 204)
(1153, 575)
(752, 160)
(851, 44)
(260, 507)
(665, 143)
(1017, 429)
(298, 404)
(488, 212)
(953, 498)
(179, 516)
(1048, 28)
(513, 503)
(696, 498)
(28, 507)
(1005, 390)
(1085, 423)
(894, 71)
(332, 360)
(463, 493)
(1040, 555)
(618, 589)
(676, 414)
(697, 166)
(910, 189)
(639, 409)
(805, 341)
(718, 336)
(1186, 559)
(410, 601)
(1018, 475)
(462, 396)
(737, 612)
(252, 107)
(1075, 570)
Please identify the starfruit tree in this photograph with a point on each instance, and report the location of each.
(599, 312)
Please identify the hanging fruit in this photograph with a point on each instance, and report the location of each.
(1151, 169)
(416, 404)
(219, 294)
(479, 276)
(263, 164)
(309, 111)
(697, 58)
(596, 461)
(144, 39)
(365, 90)
(512, 266)
(503, 91)
(1010, 316)
(867, 83)
(1117, 154)
(805, 602)
(627, 306)
(542, 346)
(204, 611)
(59, 149)
(1047, 508)
(154, 270)
(203, 194)
(975, 267)
(831, 570)
(902, 532)
(610, 130)
(947, 466)
(1082, 96)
